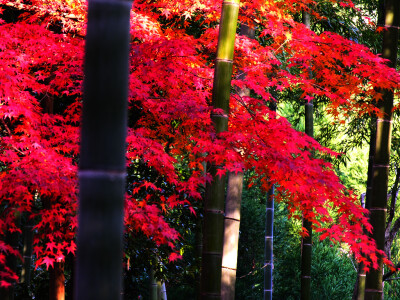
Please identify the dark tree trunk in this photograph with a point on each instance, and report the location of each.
(269, 246)
(57, 282)
(11, 239)
(359, 286)
(102, 164)
(306, 242)
(27, 253)
(378, 206)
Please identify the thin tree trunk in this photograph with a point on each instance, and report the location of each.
(232, 213)
(213, 226)
(102, 164)
(231, 235)
(158, 290)
(391, 231)
(198, 253)
(269, 246)
(374, 283)
(57, 281)
(153, 286)
(306, 242)
(359, 286)
(269, 238)
(163, 291)
(56, 273)
(27, 253)
(11, 260)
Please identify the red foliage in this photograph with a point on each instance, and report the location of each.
(170, 89)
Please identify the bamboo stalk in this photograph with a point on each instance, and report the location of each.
(153, 286)
(231, 235)
(102, 165)
(27, 252)
(57, 282)
(380, 168)
(306, 242)
(269, 246)
(232, 212)
(213, 226)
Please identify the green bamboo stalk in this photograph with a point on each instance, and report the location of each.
(213, 225)
(374, 283)
(153, 286)
(269, 237)
(269, 246)
(306, 242)
(102, 164)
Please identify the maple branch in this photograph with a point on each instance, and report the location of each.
(253, 116)
(388, 274)
(281, 45)
(7, 128)
(395, 190)
(33, 9)
(30, 8)
(387, 26)
(241, 101)
(392, 279)
(201, 77)
(394, 230)
(10, 135)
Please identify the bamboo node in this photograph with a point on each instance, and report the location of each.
(373, 291)
(219, 115)
(108, 174)
(231, 3)
(233, 219)
(381, 166)
(384, 120)
(215, 211)
(225, 60)
(378, 208)
(233, 269)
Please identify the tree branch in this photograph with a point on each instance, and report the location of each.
(387, 275)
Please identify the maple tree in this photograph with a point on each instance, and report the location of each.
(172, 51)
